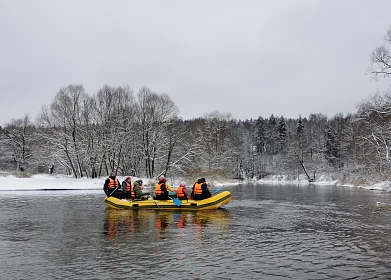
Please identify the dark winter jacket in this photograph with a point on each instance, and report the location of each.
(106, 185)
(205, 191)
(109, 192)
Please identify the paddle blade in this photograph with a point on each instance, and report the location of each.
(177, 201)
(217, 190)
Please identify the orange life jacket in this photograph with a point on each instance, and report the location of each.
(180, 192)
(113, 183)
(133, 192)
(197, 188)
(158, 189)
(129, 186)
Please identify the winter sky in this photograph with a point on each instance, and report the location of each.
(248, 58)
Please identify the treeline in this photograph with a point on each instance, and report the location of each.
(140, 134)
(115, 129)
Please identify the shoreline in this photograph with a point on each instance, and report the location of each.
(60, 182)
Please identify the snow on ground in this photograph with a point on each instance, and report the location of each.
(285, 179)
(382, 186)
(322, 180)
(48, 182)
(44, 182)
(61, 182)
(54, 182)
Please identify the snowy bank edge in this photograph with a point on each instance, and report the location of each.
(49, 182)
(323, 180)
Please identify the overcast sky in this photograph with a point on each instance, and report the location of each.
(247, 58)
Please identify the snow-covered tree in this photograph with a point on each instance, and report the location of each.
(380, 58)
(154, 114)
(62, 122)
(16, 141)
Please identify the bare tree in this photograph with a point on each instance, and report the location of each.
(63, 123)
(180, 147)
(154, 113)
(380, 59)
(17, 137)
(219, 152)
(115, 128)
(375, 135)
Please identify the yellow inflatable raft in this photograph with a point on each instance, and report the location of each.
(216, 201)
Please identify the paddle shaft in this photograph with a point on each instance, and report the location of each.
(108, 196)
(155, 202)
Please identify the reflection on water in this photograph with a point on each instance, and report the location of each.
(265, 232)
(124, 223)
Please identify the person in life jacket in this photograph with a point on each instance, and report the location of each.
(137, 190)
(112, 187)
(170, 189)
(200, 190)
(182, 192)
(161, 189)
(127, 187)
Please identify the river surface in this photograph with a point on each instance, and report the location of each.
(265, 232)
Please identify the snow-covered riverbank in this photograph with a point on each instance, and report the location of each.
(61, 182)
(324, 180)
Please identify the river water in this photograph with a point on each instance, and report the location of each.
(265, 232)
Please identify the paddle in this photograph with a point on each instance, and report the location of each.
(176, 201)
(216, 191)
(155, 202)
(108, 196)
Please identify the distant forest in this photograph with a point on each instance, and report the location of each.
(140, 134)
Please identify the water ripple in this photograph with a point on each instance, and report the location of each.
(266, 232)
